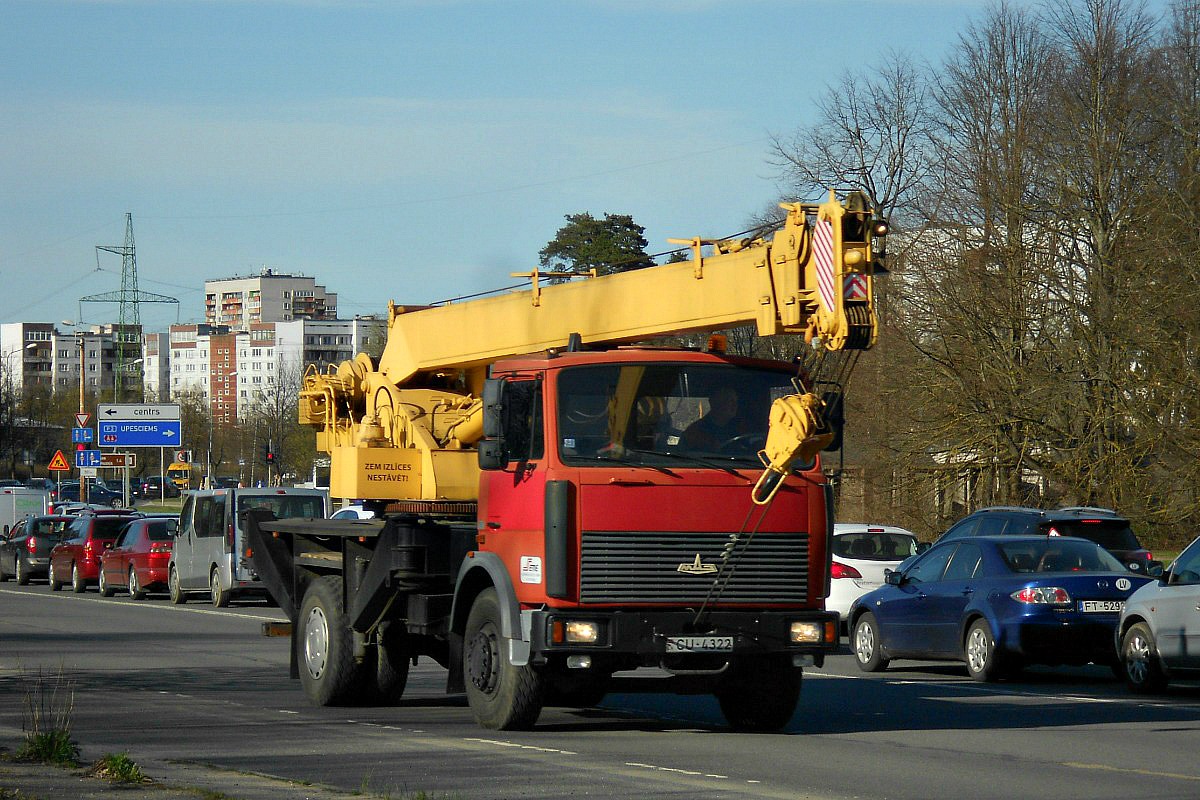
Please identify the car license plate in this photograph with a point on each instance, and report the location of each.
(1101, 606)
(699, 644)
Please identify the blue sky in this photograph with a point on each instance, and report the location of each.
(406, 150)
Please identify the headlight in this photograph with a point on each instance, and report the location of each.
(574, 632)
(806, 632)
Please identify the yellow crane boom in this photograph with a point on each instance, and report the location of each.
(419, 408)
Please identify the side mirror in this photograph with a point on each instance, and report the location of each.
(493, 453)
(892, 578)
(1154, 569)
(922, 547)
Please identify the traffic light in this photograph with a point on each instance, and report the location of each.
(268, 454)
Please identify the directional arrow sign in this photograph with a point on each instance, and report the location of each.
(156, 412)
(118, 460)
(87, 458)
(139, 434)
(81, 435)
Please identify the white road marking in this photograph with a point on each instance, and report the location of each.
(108, 602)
(517, 746)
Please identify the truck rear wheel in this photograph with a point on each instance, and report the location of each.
(386, 670)
(326, 649)
(502, 696)
(760, 696)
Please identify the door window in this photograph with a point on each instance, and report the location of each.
(1186, 571)
(930, 567)
(965, 564)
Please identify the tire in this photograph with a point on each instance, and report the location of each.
(54, 584)
(23, 575)
(866, 644)
(502, 696)
(78, 584)
(105, 589)
(325, 646)
(178, 597)
(220, 597)
(4, 572)
(385, 671)
(135, 587)
(1140, 667)
(116, 503)
(761, 696)
(984, 664)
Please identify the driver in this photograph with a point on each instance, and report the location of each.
(716, 427)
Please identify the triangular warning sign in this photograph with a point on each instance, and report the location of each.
(59, 462)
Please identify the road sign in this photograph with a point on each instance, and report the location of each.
(183, 456)
(59, 462)
(162, 433)
(87, 458)
(118, 460)
(81, 420)
(87, 472)
(81, 435)
(157, 412)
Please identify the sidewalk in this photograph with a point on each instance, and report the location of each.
(168, 780)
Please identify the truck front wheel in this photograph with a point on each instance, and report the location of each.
(326, 649)
(502, 696)
(760, 695)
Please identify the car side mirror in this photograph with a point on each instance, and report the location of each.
(922, 547)
(892, 578)
(1154, 569)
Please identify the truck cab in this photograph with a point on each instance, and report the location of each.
(209, 555)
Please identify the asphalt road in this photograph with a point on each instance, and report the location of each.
(199, 685)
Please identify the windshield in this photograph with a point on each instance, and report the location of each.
(662, 413)
(285, 506)
(1057, 555)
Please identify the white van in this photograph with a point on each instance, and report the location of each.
(209, 551)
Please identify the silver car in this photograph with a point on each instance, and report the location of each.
(1158, 636)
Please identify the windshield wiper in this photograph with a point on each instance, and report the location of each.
(692, 458)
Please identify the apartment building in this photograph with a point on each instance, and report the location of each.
(270, 296)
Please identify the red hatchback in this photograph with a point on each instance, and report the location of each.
(138, 560)
(76, 559)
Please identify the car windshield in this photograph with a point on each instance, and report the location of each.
(285, 506)
(1058, 555)
(109, 527)
(662, 414)
(874, 546)
(161, 530)
(1110, 534)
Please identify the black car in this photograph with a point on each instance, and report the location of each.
(153, 487)
(68, 492)
(1101, 525)
(25, 553)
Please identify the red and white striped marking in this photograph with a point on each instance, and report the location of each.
(823, 257)
(855, 286)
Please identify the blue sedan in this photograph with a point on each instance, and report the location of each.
(998, 603)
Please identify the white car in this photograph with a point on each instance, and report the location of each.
(861, 552)
(1158, 635)
(354, 511)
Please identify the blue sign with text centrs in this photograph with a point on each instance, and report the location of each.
(147, 433)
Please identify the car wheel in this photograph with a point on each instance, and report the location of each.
(55, 585)
(502, 696)
(105, 589)
(173, 587)
(135, 587)
(868, 648)
(3, 571)
(116, 503)
(22, 573)
(1139, 661)
(78, 586)
(220, 597)
(983, 662)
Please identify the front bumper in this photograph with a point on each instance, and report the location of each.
(641, 637)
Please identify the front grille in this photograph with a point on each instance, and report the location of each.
(643, 567)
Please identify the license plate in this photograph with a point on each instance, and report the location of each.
(1101, 606)
(699, 644)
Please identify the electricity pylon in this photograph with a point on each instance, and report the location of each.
(127, 337)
